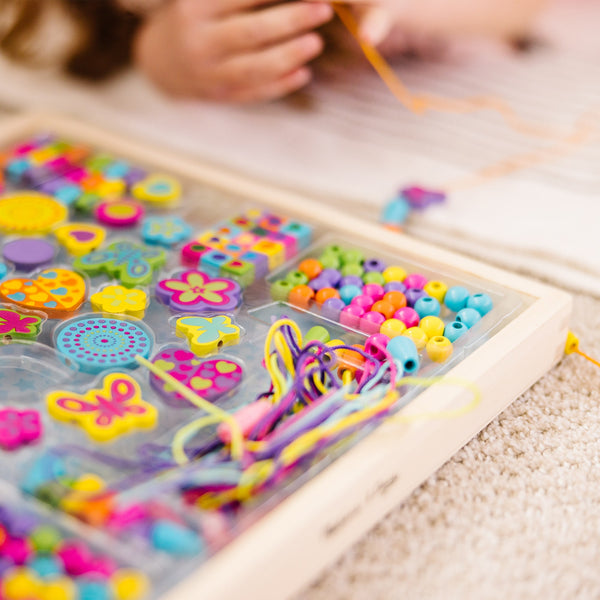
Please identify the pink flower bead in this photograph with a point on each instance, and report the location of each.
(371, 322)
(409, 316)
(363, 301)
(374, 344)
(415, 280)
(374, 290)
(350, 316)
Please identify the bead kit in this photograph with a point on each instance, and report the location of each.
(204, 379)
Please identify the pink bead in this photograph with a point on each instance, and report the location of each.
(351, 314)
(31, 425)
(17, 549)
(415, 280)
(77, 175)
(103, 566)
(247, 418)
(363, 301)
(409, 316)
(60, 163)
(374, 344)
(374, 290)
(371, 322)
(76, 557)
(128, 516)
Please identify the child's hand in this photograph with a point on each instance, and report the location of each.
(231, 50)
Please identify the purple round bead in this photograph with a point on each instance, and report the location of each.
(412, 295)
(333, 276)
(351, 280)
(394, 286)
(318, 283)
(374, 264)
(331, 308)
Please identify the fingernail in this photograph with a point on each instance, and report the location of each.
(324, 12)
(375, 27)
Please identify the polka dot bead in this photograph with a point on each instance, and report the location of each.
(97, 343)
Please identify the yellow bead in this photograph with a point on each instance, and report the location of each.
(128, 584)
(432, 326)
(117, 299)
(58, 589)
(111, 189)
(437, 290)
(90, 483)
(392, 328)
(439, 348)
(418, 336)
(394, 273)
(572, 344)
(274, 251)
(20, 584)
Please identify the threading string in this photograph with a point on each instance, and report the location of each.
(572, 347)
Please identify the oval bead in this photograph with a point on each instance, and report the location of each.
(363, 301)
(280, 290)
(374, 277)
(404, 351)
(311, 267)
(395, 298)
(330, 261)
(352, 269)
(413, 295)
(301, 296)
(350, 315)
(371, 322)
(352, 256)
(374, 265)
(349, 292)
(394, 273)
(387, 309)
(374, 344)
(331, 308)
(317, 333)
(375, 290)
(351, 280)
(326, 294)
(296, 278)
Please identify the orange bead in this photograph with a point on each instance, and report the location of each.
(301, 296)
(349, 360)
(387, 309)
(311, 267)
(326, 294)
(396, 299)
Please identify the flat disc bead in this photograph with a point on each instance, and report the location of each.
(418, 336)
(427, 306)
(408, 316)
(455, 330)
(468, 316)
(326, 294)
(387, 309)
(374, 277)
(311, 267)
(436, 289)
(301, 296)
(394, 273)
(432, 326)
(456, 298)
(439, 349)
(482, 303)
(415, 280)
(348, 292)
(392, 328)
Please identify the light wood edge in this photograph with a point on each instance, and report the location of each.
(358, 483)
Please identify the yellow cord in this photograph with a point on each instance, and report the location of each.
(572, 347)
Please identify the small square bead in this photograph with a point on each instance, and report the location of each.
(246, 240)
(227, 231)
(240, 271)
(301, 231)
(271, 222)
(289, 243)
(68, 194)
(234, 250)
(260, 262)
(210, 238)
(212, 261)
(274, 251)
(192, 252)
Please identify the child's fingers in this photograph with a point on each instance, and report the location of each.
(257, 68)
(247, 31)
(374, 23)
(272, 90)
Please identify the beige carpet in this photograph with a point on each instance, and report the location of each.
(514, 514)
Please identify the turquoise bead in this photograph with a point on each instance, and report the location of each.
(300, 231)
(46, 566)
(93, 590)
(405, 352)
(45, 469)
(456, 298)
(396, 211)
(482, 303)
(468, 316)
(427, 307)
(348, 292)
(454, 330)
(172, 538)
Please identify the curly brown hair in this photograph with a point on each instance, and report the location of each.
(103, 47)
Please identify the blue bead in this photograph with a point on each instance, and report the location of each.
(396, 211)
(174, 539)
(68, 194)
(405, 352)
(300, 231)
(468, 316)
(16, 169)
(116, 170)
(482, 303)
(454, 330)
(427, 306)
(456, 298)
(212, 261)
(348, 292)
(94, 590)
(46, 566)
(45, 468)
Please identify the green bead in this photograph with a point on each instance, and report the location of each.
(45, 539)
(241, 271)
(374, 277)
(296, 278)
(318, 334)
(280, 290)
(52, 493)
(86, 202)
(333, 249)
(352, 269)
(330, 260)
(353, 256)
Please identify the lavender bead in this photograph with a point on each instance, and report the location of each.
(21, 524)
(318, 283)
(394, 286)
(412, 295)
(333, 276)
(351, 280)
(374, 264)
(331, 308)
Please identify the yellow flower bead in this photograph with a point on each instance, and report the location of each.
(432, 326)
(437, 290)
(392, 328)
(418, 336)
(394, 273)
(439, 348)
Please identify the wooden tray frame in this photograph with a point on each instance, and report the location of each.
(294, 542)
